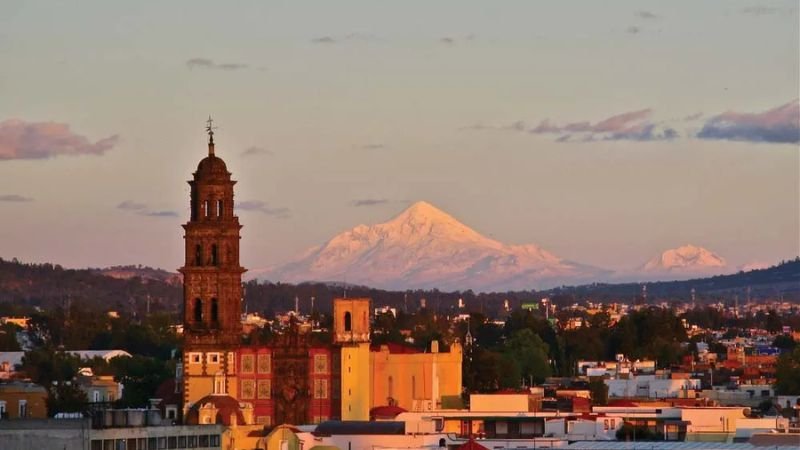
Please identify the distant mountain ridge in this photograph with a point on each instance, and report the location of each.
(424, 247)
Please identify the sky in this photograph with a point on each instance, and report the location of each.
(605, 132)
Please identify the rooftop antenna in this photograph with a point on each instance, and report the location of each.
(210, 130)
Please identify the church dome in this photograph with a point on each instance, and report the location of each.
(211, 166)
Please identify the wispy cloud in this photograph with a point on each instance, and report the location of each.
(631, 126)
(453, 40)
(777, 125)
(42, 140)
(374, 146)
(160, 214)
(648, 15)
(263, 208)
(256, 151)
(369, 202)
(14, 198)
(143, 210)
(330, 39)
(206, 63)
(130, 205)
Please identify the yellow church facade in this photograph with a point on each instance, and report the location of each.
(392, 374)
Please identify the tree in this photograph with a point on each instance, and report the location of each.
(66, 397)
(599, 391)
(8, 338)
(530, 353)
(787, 373)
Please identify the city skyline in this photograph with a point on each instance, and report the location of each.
(608, 153)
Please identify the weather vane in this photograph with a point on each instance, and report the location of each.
(210, 130)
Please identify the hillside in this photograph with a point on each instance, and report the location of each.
(48, 285)
(781, 280)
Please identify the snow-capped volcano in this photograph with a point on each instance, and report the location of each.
(424, 247)
(687, 260)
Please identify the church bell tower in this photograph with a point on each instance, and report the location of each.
(212, 281)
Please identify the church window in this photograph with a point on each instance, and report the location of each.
(213, 358)
(198, 310)
(207, 208)
(321, 363)
(214, 310)
(390, 384)
(264, 363)
(320, 388)
(248, 363)
(248, 389)
(195, 358)
(348, 322)
(264, 389)
(219, 208)
(198, 255)
(214, 255)
(413, 387)
(219, 383)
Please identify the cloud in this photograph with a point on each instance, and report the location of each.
(452, 40)
(42, 140)
(369, 202)
(633, 29)
(255, 151)
(373, 146)
(264, 208)
(647, 15)
(631, 126)
(778, 125)
(130, 205)
(328, 39)
(14, 198)
(206, 63)
(160, 214)
(142, 209)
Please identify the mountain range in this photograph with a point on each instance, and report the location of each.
(423, 247)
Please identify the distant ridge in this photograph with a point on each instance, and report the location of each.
(424, 247)
(781, 280)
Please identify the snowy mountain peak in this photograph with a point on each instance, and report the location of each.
(686, 258)
(424, 247)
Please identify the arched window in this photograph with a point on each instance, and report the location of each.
(214, 310)
(219, 208)
(198, 255)
(220, 383)
(348, 322)
(198, 310)
(214, 254)
(364, 325)
(413, 387)
(207, 208)
(390, 384)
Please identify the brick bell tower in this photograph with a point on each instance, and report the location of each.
(212, 282)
